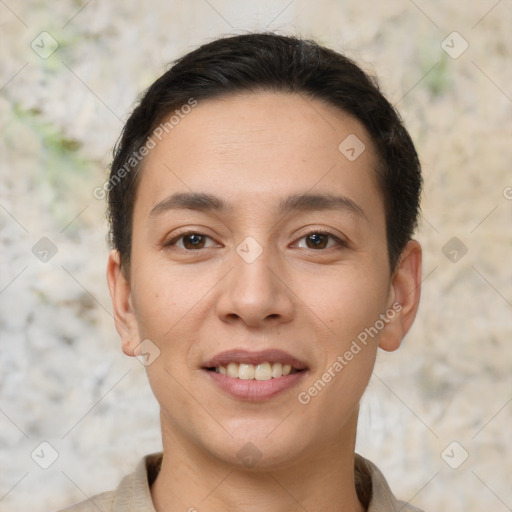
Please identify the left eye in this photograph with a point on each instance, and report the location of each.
(320, 240)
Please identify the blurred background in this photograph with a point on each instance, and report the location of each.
(437, 415)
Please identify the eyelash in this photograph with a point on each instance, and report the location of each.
(341, 243)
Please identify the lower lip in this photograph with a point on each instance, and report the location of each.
(255, 390)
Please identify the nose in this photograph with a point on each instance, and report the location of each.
(255, 294)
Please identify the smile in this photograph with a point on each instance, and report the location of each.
(263, 371)
(255, 376)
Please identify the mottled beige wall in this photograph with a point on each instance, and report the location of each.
(63, 378)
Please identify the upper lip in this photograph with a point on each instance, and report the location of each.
(248, 357)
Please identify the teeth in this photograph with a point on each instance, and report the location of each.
(277, 370)
(263, 371)
(246, 371)
(232, 370)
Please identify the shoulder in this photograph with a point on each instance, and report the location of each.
(407, 507)
(374, 490)
(133, 493)
(103, 502)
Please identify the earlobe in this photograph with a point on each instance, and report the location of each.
(405, 292)
(120, 294)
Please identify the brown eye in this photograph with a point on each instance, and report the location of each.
(317, 241)
(320, 240)
(191, 241)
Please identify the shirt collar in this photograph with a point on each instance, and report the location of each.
(134, 495)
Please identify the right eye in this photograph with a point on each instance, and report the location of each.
(190, 241)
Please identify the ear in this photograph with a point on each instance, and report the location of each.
(124, 315)
(404, 297)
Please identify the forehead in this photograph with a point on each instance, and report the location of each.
(261, 146)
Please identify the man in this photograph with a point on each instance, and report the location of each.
(262, 201)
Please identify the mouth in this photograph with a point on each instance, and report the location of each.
(255, 375)
(262, 365)
(262, 371)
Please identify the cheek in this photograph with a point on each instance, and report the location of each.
(163, 295)
(347, 301)
(346, 305)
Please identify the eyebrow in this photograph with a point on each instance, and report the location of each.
(200, 201)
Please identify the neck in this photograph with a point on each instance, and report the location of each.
(319, 479)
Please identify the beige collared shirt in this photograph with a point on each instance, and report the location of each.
(133, 493)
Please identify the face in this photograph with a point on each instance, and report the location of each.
(259, 246)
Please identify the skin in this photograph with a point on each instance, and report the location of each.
(252, 150)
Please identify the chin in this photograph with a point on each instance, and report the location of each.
(258, 445)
